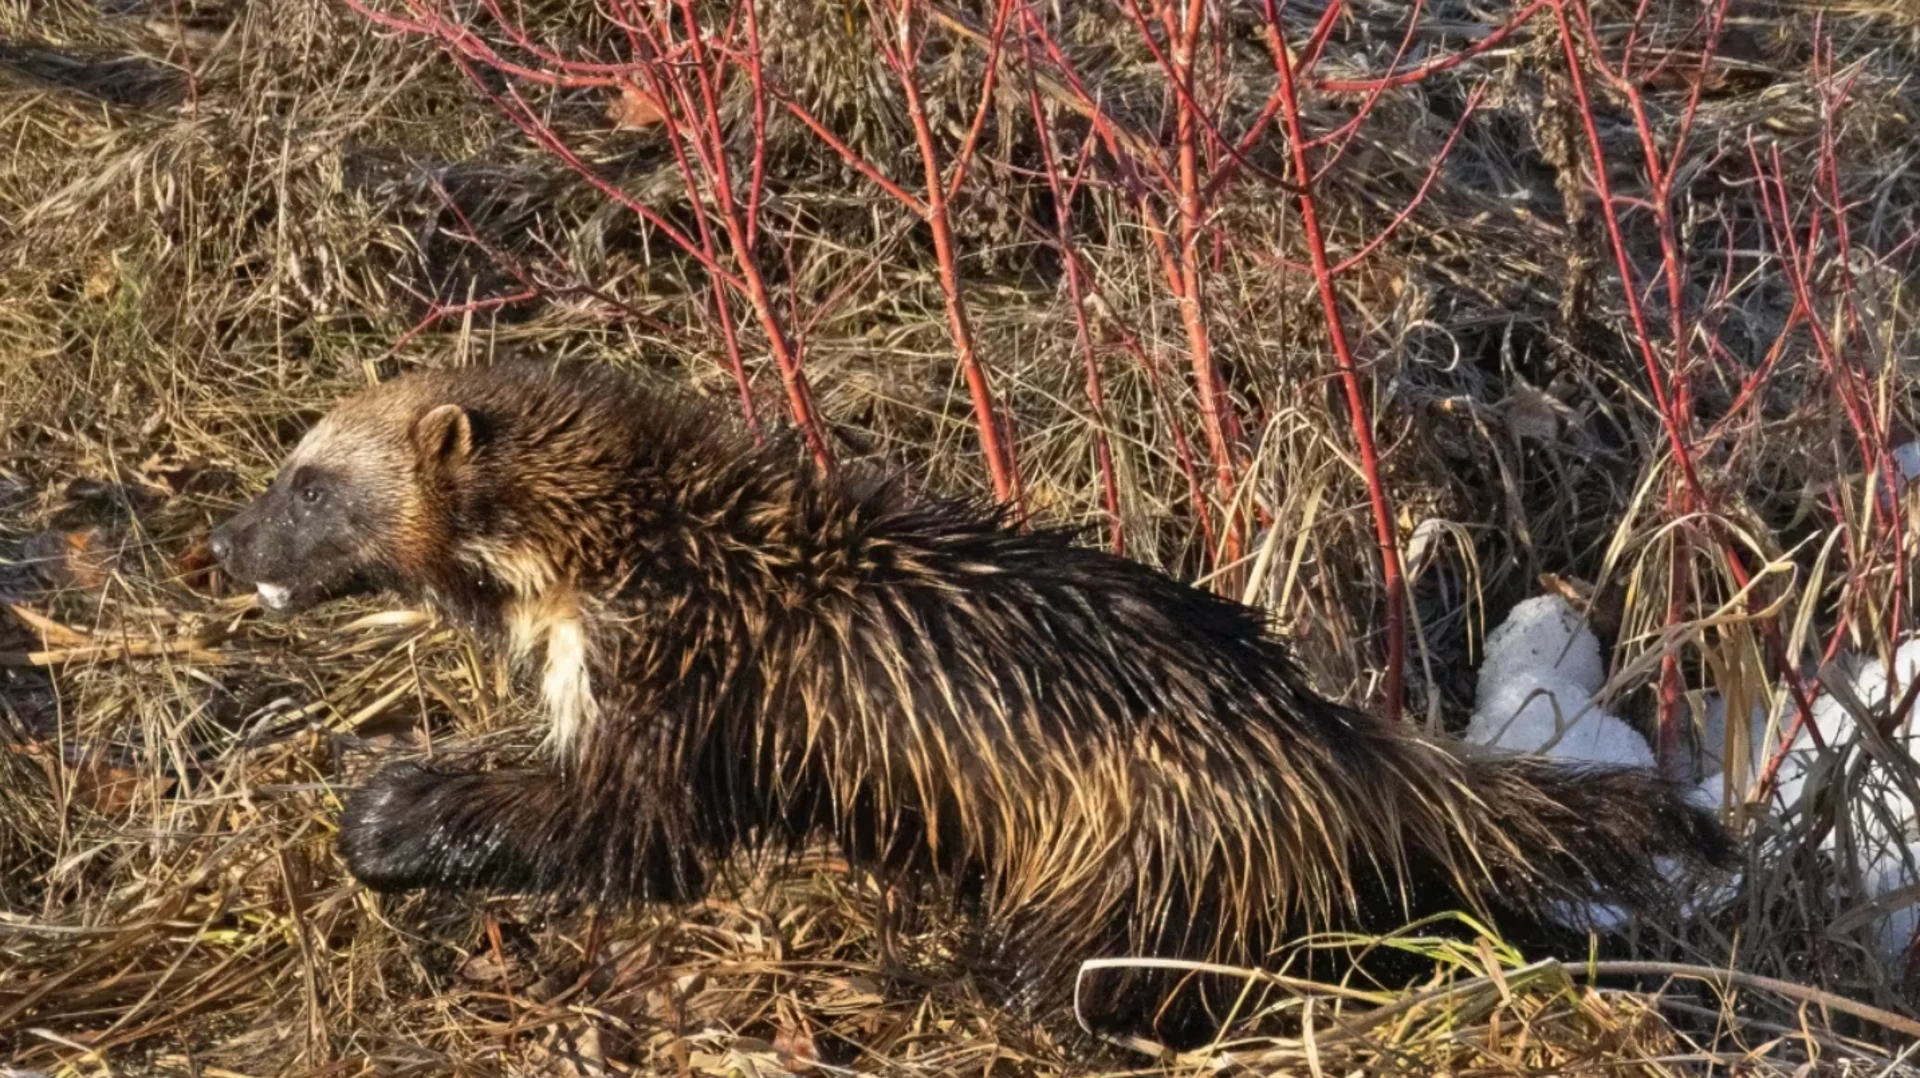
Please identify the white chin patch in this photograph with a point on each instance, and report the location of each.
(274, 597)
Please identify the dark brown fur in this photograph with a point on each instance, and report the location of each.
(1105, 761)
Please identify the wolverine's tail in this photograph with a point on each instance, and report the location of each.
(1585, 835)
(1531, 846)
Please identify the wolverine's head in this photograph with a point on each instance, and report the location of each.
(360, 504)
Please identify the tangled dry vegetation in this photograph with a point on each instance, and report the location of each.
(217, 215)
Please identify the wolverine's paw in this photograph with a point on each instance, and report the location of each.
(388, 834)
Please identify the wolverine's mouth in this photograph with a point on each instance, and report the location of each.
(286, 599)
(275, 597)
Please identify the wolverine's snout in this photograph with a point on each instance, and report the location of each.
(295, 544)
(236, 544)
(220, 544)
(228, 541)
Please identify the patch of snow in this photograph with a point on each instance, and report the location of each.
(1712, 791)
(1592, 916)
(1895, 868)
(1882, 824)
(1536, 688)
(1906, 460)
(1906, 468)
(1713, 736)
(1707, 795)
(1888, 866)
(1536, 691)
(1835, 724)
(1547, 715)
(1906, 670)
(1542, 636)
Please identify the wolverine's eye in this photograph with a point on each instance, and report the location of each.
(311, 495)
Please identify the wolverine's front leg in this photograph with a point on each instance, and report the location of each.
(520, 830)
(412, 826)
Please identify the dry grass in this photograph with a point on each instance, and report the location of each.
(214, 218)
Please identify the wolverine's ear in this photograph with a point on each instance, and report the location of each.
(444, 435)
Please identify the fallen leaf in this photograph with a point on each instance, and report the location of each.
(101, 279)
(197, 566)
(111, 790)
(1530, 414)
(172, 475)
(70, 559)
(1572, 589)
(796, 1047)
(52, 633)
(484, 969)
(571, 1053)
(634, 110)
(92, 782)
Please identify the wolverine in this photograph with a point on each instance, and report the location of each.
(738, 651)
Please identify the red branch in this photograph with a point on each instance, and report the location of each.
(1083, 336)
(699, 124)
(998, 449)
(1357, 411)
(1453, 60)
(1695, 493)
(1214, 409)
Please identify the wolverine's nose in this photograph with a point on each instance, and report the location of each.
(220, 543)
